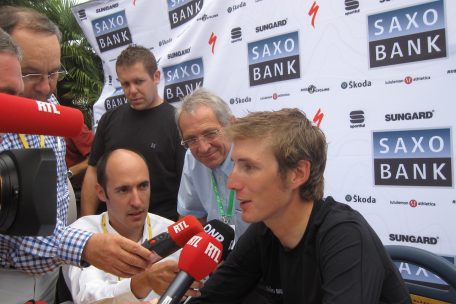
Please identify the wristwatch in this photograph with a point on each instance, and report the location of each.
(69, 174)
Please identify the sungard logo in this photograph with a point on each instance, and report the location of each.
(111, 31)
(106, 8)
(274, 59)
(413, 158)
(179, 53)
(117, 99)
(237, 100)
(352, 84)
(408, 34)
(182, 11)
(236, 34)
(236, 7)
(182, 79)
(271, 25)
(351, 7)
(415, 239)
(359, 199)
(409, 116)
(357, 119)
(313, 89)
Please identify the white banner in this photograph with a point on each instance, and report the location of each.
(378, 76)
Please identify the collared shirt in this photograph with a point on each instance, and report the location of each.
(197, 197)
(91, 284)
(43, 254)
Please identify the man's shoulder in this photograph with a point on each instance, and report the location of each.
(120, 110)
(159, 223)
(89, 223)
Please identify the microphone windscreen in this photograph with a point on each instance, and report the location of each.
(23, 115)
(222, 233)
(200, 256)
(184, 229)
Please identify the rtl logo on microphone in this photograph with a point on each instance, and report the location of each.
(47, 107)
(179, 227)
(211, 250)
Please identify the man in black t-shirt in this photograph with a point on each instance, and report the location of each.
(145, 124)
(301, 248)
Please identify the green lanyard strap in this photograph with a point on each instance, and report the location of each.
(229, 212)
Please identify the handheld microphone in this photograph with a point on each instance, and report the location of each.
(23, 115)
(178, 234)
(222, 233)
(198, 259)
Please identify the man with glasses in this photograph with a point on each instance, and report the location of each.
(145, 124)
(201, 119)
(10, 67)
(28, 265)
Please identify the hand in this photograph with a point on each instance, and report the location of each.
(158, 277)
(116, 254)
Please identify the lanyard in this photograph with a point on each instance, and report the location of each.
(25, 142)
(229, 212)
(105, 229)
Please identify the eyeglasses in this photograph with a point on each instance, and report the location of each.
(35, 77)
(207, 137)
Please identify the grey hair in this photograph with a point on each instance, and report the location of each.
(7, 45)
(202, 97)
(13, 17)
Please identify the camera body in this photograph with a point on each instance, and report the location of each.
(28, 195)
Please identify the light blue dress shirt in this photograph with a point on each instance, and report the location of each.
(196, 196)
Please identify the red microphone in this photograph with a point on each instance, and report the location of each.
(198, 259)
(28, 116)
(178, 234)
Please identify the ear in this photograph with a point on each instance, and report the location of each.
(101, 193)
(300, 175)
(232, 119)
(156, 77)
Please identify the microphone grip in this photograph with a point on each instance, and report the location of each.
(162, 245)
(176, 290)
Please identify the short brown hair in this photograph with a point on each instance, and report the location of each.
(135, 53)
(292, 138)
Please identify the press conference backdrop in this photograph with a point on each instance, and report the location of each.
(379, 77)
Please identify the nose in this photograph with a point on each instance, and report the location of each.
(132, 90)
(203, 145)
(232, 181)
(135, 199)
(44, 87)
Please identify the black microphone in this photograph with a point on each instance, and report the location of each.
(198, 259)
(178, 234)
(222, 233)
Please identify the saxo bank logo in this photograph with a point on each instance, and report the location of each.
(274, 59)
(116, 99)
(181, 79)
(111, 31)
(181, 11)
(409, 34)
(413, 158)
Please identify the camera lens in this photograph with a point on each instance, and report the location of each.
(8, 191)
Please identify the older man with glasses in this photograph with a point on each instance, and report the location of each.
(201, 119)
